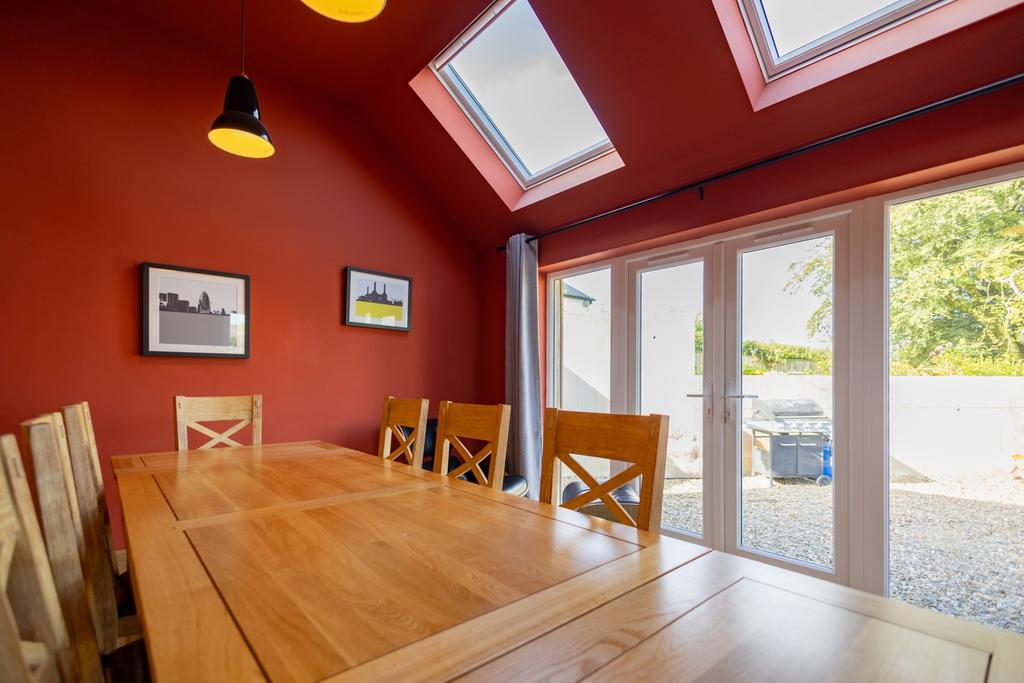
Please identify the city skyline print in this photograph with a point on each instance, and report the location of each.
(194, 312)
(374, 299)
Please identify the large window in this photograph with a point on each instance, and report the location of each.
(956, 403)
(510, 80)
(791, 33)
(845, 389)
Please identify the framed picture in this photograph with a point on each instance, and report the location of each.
(375, 299)
(193, 312)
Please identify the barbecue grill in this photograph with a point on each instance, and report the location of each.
(796, 431)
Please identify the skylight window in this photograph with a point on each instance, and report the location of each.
(789, 34)
(510, 80)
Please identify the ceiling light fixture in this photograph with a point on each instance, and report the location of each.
(351, 11)
(239, 130)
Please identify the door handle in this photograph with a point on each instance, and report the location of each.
(698, 396)
(727, 413)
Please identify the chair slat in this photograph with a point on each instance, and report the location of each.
(98, 570)
(82, 435)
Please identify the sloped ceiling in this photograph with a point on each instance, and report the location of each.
(660, 77)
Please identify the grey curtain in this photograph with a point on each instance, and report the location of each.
(522, 361)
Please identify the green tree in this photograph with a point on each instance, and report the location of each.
(815, 273)
(956, 282)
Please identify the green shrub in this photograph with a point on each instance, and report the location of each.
(764, 357)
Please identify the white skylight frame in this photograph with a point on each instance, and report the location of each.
(482, 121)
(774, 65)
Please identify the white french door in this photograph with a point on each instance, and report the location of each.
(703, 323)
(673, 326)
(784, 420)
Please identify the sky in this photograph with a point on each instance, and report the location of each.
(795, 23)
(597, 284)
(222, 294)
(770, 312)
(515, 72)
(397, 289)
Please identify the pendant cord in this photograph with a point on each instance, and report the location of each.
(243, 37)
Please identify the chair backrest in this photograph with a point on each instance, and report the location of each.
(58, 508)
(98, 564)
(82, 444)
(192, 411)
(457, 421)
(641, 441)
(410, 413)
(30, 598)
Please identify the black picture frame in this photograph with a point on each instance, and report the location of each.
(146, 347)
(348, 314)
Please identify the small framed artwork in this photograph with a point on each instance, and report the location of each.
(375, 299)
(193, 312)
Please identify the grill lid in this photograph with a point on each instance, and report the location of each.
(786, 408)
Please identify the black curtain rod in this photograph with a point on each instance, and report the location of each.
(699, 185)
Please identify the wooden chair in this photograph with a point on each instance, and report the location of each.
(639, 440)
(405, 420)
(58, 512)
(457, 421)
(99, 561)
(515, 484)
(34, 642)
(192, 411)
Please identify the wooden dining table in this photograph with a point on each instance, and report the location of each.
(309, 561)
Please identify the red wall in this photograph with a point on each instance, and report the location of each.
(105, 164)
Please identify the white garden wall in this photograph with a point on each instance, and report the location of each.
(939, 426)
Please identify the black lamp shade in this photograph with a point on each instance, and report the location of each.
(238, 129)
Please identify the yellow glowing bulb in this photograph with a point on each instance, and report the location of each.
(241, 143)
(351, 11)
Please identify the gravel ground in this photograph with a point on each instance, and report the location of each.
(957, 545)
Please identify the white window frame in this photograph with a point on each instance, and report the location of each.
(774, 65)
(475, 112)
(861, 539)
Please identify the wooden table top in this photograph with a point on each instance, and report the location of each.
(308, 561)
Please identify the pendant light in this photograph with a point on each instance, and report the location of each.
(239, 130)
(351, 11)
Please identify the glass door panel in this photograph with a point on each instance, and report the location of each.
(671, 382)
(584, 354)
(781, 407)
(956, 403)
